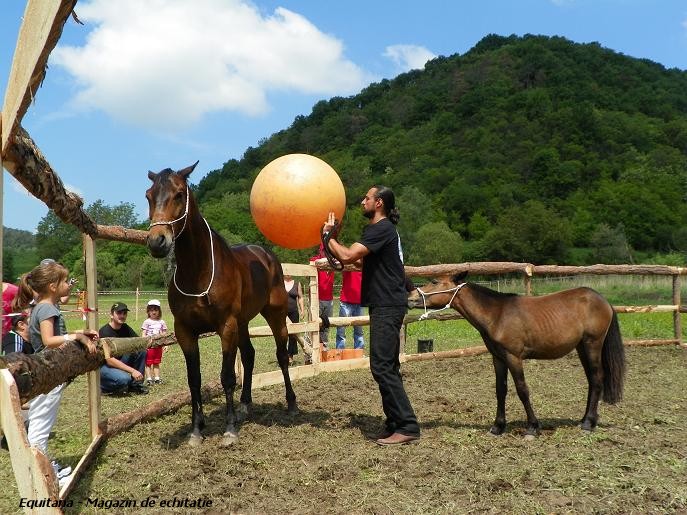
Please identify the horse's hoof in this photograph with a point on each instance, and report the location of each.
(586, 426)
(495, 431)
(229, 438)
(243, 411)
(529, 437)
(293, 410)
(194, 440)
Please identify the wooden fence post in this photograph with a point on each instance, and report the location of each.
(677, 320)
(528, 280)
(314, 316)
(92, 323)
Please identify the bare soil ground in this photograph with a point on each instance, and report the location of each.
(322, 461)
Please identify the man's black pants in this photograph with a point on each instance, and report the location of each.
(385, 346)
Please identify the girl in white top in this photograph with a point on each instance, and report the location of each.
(151, 326)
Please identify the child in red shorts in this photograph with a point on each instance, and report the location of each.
(151, 326)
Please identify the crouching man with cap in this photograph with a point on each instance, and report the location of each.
(123, 374)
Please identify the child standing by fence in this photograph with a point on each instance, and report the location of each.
(151, 326)
(49, 282)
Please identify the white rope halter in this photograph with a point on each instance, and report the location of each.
(171, 223)
(184, 217)
(212, 275)
(426, 314)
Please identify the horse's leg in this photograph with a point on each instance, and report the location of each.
(189, 346)
(230, 337)
(276, 319)
(590, 357)
(501, 372)
(515, 366)
(248, 361)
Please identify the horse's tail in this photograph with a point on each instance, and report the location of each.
(613, 363)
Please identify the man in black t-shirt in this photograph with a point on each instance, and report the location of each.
(119, 375)
(383, 292)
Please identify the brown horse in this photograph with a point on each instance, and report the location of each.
(215, 288)
(516, 327)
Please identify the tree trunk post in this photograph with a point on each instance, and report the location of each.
(94, 412)
(677, 320)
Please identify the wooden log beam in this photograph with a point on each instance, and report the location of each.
(27, 164)
(40, 31)
(119, 423)
(39, 373)
(646, 309)
(24, 160)
(119, 233)
(609, 270)
(457, 353)
(486, 268)
(496, 268)
(449, 314)
(650, 343)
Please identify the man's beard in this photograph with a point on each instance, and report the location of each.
(369, 214)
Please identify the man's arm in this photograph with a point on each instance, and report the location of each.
(349, 255)
(115, 363)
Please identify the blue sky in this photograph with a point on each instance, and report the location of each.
(150, 84)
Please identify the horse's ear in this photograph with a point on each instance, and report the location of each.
(459, 277)
(187, 171)
(151, 175)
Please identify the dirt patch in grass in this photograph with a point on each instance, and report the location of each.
(322, 461)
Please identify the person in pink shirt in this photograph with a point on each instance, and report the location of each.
(325, 292)
(9, 292)
(349, 306)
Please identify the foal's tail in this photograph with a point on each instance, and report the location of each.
(613, 363)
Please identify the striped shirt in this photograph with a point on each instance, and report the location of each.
(13, 342)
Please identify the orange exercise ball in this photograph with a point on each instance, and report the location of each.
(292, 197)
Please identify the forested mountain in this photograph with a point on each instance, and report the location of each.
(524, 148)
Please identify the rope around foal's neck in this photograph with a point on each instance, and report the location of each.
(426, 314)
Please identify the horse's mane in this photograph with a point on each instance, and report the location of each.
(489, 292)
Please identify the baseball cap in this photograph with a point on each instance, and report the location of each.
(118, 306)
(154, 302)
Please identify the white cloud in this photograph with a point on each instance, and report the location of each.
(408, 57)
(163, 64)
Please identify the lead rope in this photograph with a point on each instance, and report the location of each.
(426, 314)
(212, 276)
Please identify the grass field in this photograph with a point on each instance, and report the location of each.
(320, 458)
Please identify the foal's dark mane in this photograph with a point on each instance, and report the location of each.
(489, 292)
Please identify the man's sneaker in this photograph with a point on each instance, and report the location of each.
(149, 382)
(138, 389)
(63, 481)
(60, 471)
(158, 380)
(118, 392)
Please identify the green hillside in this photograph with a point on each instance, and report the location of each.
(19, 253)
(524, 148)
